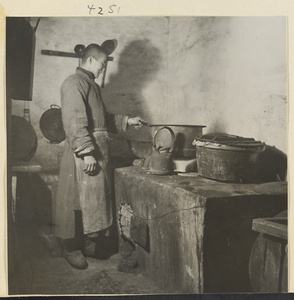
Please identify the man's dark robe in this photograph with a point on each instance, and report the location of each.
(86, 123)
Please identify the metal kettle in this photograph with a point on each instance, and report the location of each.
(161, 158)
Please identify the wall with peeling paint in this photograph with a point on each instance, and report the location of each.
(226, 73)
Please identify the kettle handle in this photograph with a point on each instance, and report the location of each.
(172, 144)
(55, 106)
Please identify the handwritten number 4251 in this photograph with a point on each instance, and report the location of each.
(111, 9)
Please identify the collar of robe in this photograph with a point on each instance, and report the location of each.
(88, 73)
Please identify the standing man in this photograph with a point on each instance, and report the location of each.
(84, 186)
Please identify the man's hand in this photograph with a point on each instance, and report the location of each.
(90, 165)
(137, 121)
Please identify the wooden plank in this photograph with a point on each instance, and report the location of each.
(284, 273)
(281, 220)
(66, 54)
(270, 227)
(267, 269)
(26, 167)
(270, 277)
(59, 53)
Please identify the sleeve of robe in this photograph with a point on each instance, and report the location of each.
(74, 117)
(116, 123)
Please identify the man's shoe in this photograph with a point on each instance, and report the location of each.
(76, 259)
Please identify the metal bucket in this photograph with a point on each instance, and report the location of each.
(161, 160)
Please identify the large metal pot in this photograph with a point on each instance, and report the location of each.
(229, 158)
(140, 139)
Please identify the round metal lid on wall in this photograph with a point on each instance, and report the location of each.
(109, 46)
(51, 124)
(23, 139)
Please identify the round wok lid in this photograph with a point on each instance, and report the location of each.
(51, 124)
(109, 46)
(23, 139)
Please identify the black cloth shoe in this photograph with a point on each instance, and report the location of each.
(76, 259)
(100, 248)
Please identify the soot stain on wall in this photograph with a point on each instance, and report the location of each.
(138, 63)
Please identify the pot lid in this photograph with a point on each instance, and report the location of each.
(23, 142)
(51, 124)
(229, 140)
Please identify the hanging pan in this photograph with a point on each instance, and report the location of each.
(109, 46)
(51, 124)
(23, 143)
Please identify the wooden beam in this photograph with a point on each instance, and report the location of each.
(271, 226)
(66, 54)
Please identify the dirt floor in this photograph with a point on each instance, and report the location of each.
(34, 271)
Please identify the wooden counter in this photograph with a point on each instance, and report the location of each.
(200, 230)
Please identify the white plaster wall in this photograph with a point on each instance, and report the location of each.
(256, 82)
(226, 73)
(230, 74)
(197, 63)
